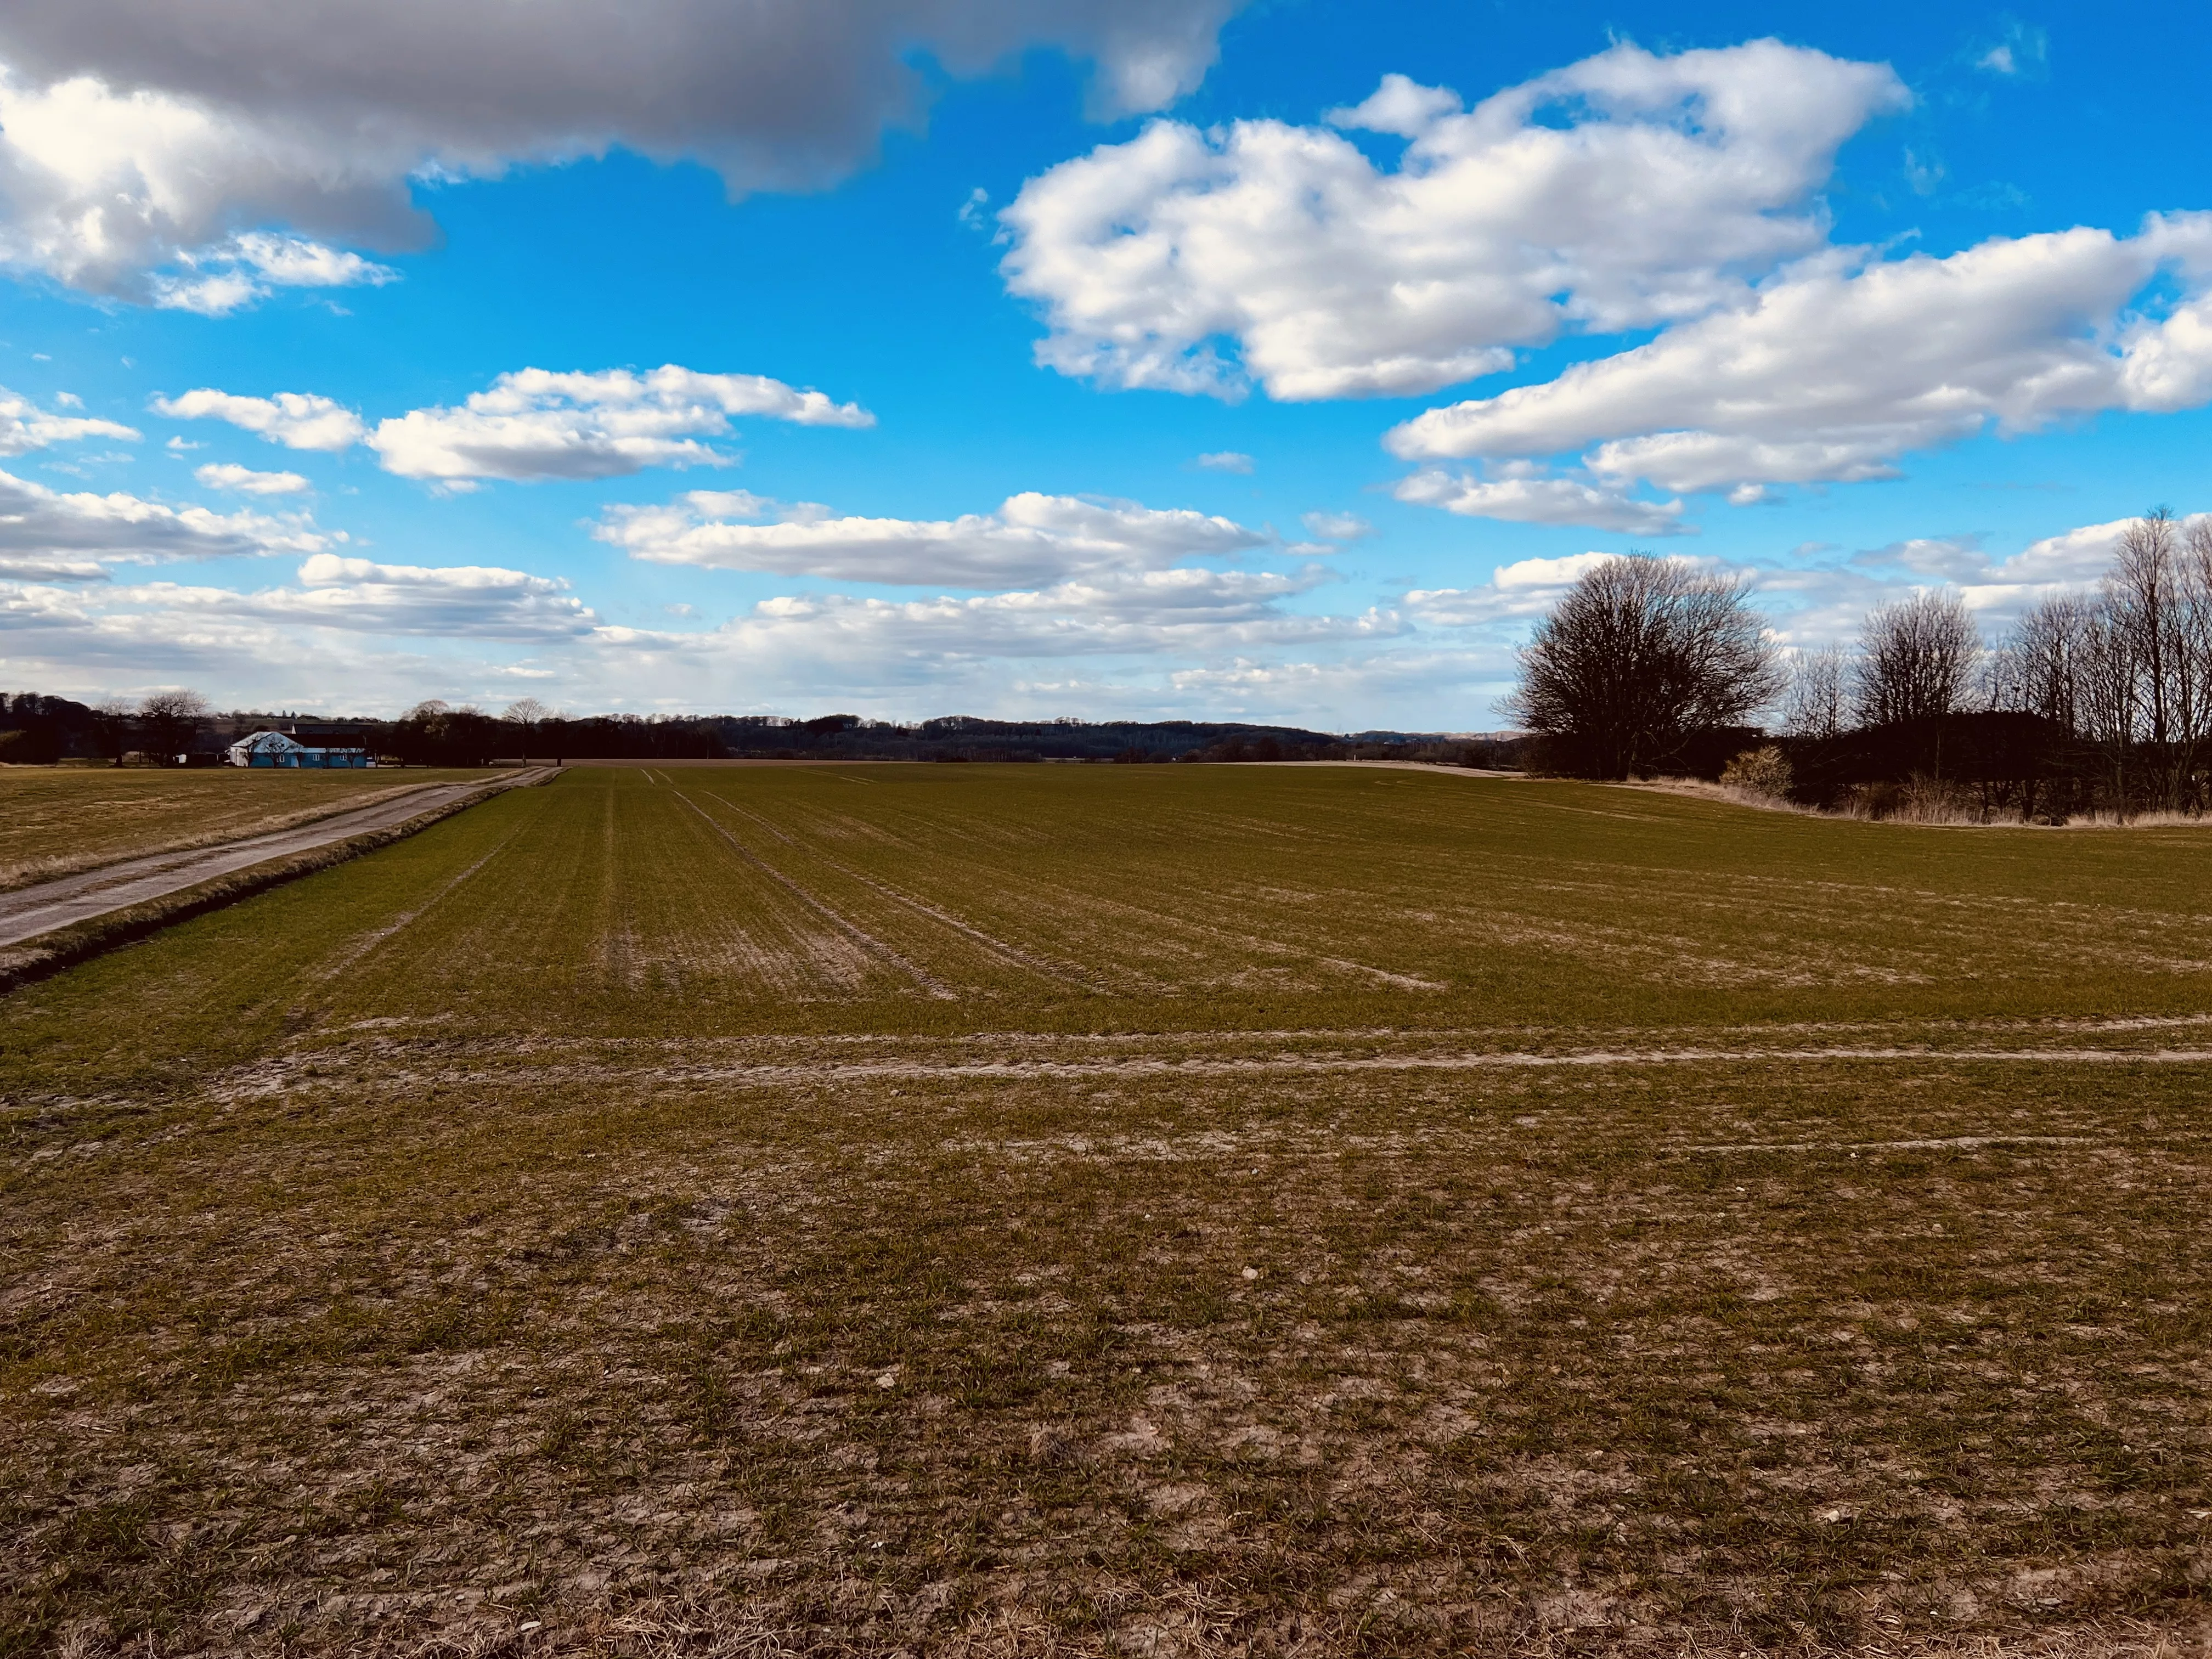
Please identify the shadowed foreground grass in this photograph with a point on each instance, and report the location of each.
(742, 1215)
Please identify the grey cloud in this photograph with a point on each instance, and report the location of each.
(138, 131)
(21, 568)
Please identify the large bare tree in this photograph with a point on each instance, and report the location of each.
(1638, 655)
(1916, 659)
(171, 720)
(2045, 656)
(113, 722)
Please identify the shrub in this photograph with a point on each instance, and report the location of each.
(1764, 771)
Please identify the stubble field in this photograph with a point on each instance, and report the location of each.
(1162, 1209)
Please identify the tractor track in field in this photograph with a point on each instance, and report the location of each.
(386, 1066)
(356, 949)
(859, 935)
(1059, 972)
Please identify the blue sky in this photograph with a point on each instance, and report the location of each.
(1852, 303)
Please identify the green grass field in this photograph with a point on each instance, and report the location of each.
(1057, 1210)
(54, 822)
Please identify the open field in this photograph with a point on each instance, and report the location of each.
(1123, 1209)
(56, 821)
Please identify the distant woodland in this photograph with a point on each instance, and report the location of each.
(179, 728)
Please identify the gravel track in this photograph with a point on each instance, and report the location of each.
(27, 911)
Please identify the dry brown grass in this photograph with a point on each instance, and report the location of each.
(57, 821)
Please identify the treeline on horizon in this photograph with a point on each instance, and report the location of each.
(179, 727)
(2092, 703)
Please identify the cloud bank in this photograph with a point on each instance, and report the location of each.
(1032, 537)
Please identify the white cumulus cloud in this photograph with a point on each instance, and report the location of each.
(476, 600)
(1836, 368)
(1032, 537)
(359, 596)
(1542, 500)
(25, 427)
(1517, 591)
(227, 475)
(138, 135)
(297, 420)
(1628, 190)
(1337, 527)
(536, 423)
(216, 282)
(44, 524)
(1226, 460)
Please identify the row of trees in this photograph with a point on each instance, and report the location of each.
(39, 731)
(2092, 701)
(2130, 665)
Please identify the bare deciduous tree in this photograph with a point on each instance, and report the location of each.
(527, 712)
(1816, 705)
(2109, 692)
(112, 721)
(171, 720)
(1916, 659)
(2141, 594)
(1638, 655)
(2130, 668)
(2044, 653)
(2195, 565)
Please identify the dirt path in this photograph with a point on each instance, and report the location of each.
(27, 911)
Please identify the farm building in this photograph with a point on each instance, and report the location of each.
(276, 749)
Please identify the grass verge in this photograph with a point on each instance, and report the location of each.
(66, 947)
